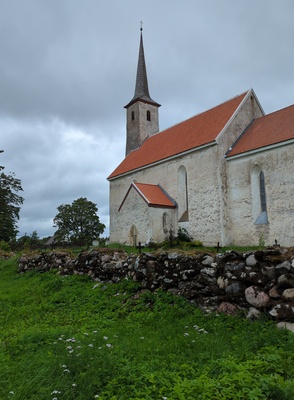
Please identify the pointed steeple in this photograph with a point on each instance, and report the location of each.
(141, 89)
(142, 111)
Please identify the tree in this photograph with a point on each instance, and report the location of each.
(78, 222)
(10, 202)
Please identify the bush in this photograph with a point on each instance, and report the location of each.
(4, 246)
(183, 235)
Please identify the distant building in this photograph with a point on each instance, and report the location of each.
(225, 175)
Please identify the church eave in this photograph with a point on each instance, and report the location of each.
(142, 167)
(260, 149)
(147, 101)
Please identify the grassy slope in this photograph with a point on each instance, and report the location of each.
(62, 339)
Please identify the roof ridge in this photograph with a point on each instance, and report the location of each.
(200, 113)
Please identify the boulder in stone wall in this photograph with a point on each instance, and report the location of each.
(233, 267)
(227, 308)
(235, 288)
(268, 272)
(286, 325)
(230, 256)
(173, 256)
(222, 282)
(208, 271)
(251, 261)
(253, 313)
(283, 311)
(256, 297)
(208, 260)
(286, 280)
(189, 273)
(151, 266)
(105, 258)
(283, 268)
(288, 294)
(205, 279)
(275, 292)
(108, 267)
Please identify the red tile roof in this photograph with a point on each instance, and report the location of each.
(154, 195)
(195, 132)
(268, 130)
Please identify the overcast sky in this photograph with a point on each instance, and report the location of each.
(68, 67)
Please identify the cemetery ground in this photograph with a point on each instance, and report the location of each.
(65, 338)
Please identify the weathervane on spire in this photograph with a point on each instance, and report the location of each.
(141, 27)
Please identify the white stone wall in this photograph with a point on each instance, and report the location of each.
(250, 110)
(244, 203)
(150, 223)
(209, 199)
(203, 199)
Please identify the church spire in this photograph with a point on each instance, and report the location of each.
(142, 111)
(141, 89)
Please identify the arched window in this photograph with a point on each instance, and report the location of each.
(148, 115)
(133, 235)
(183, 214)
(133, 115)
(262, 192)
(258, 196)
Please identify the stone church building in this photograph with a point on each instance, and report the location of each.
(225, 175)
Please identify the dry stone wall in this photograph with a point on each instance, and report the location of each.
(256, 282)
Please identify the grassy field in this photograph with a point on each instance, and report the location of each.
(65, 338)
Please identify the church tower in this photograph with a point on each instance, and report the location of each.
(142, 111)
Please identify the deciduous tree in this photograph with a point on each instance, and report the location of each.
(78, 222)
(10, 202)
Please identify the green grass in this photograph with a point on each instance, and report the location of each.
(63, 339)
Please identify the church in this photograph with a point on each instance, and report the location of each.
(225, 175)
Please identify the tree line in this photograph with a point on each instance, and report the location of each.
(75, 223)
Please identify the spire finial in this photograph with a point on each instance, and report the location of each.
(141, 26)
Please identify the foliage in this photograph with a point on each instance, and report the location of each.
(183, 235)
(71, 339)
(78, 222)
(4, 246)
(10, 202)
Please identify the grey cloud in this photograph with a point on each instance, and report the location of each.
(68, 67)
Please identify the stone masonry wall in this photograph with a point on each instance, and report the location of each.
(255, 282)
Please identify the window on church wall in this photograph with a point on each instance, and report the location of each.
(148, 115)
(133, 115)
(262, 192)
(133, 236)
(182, 198)
(258, 188)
